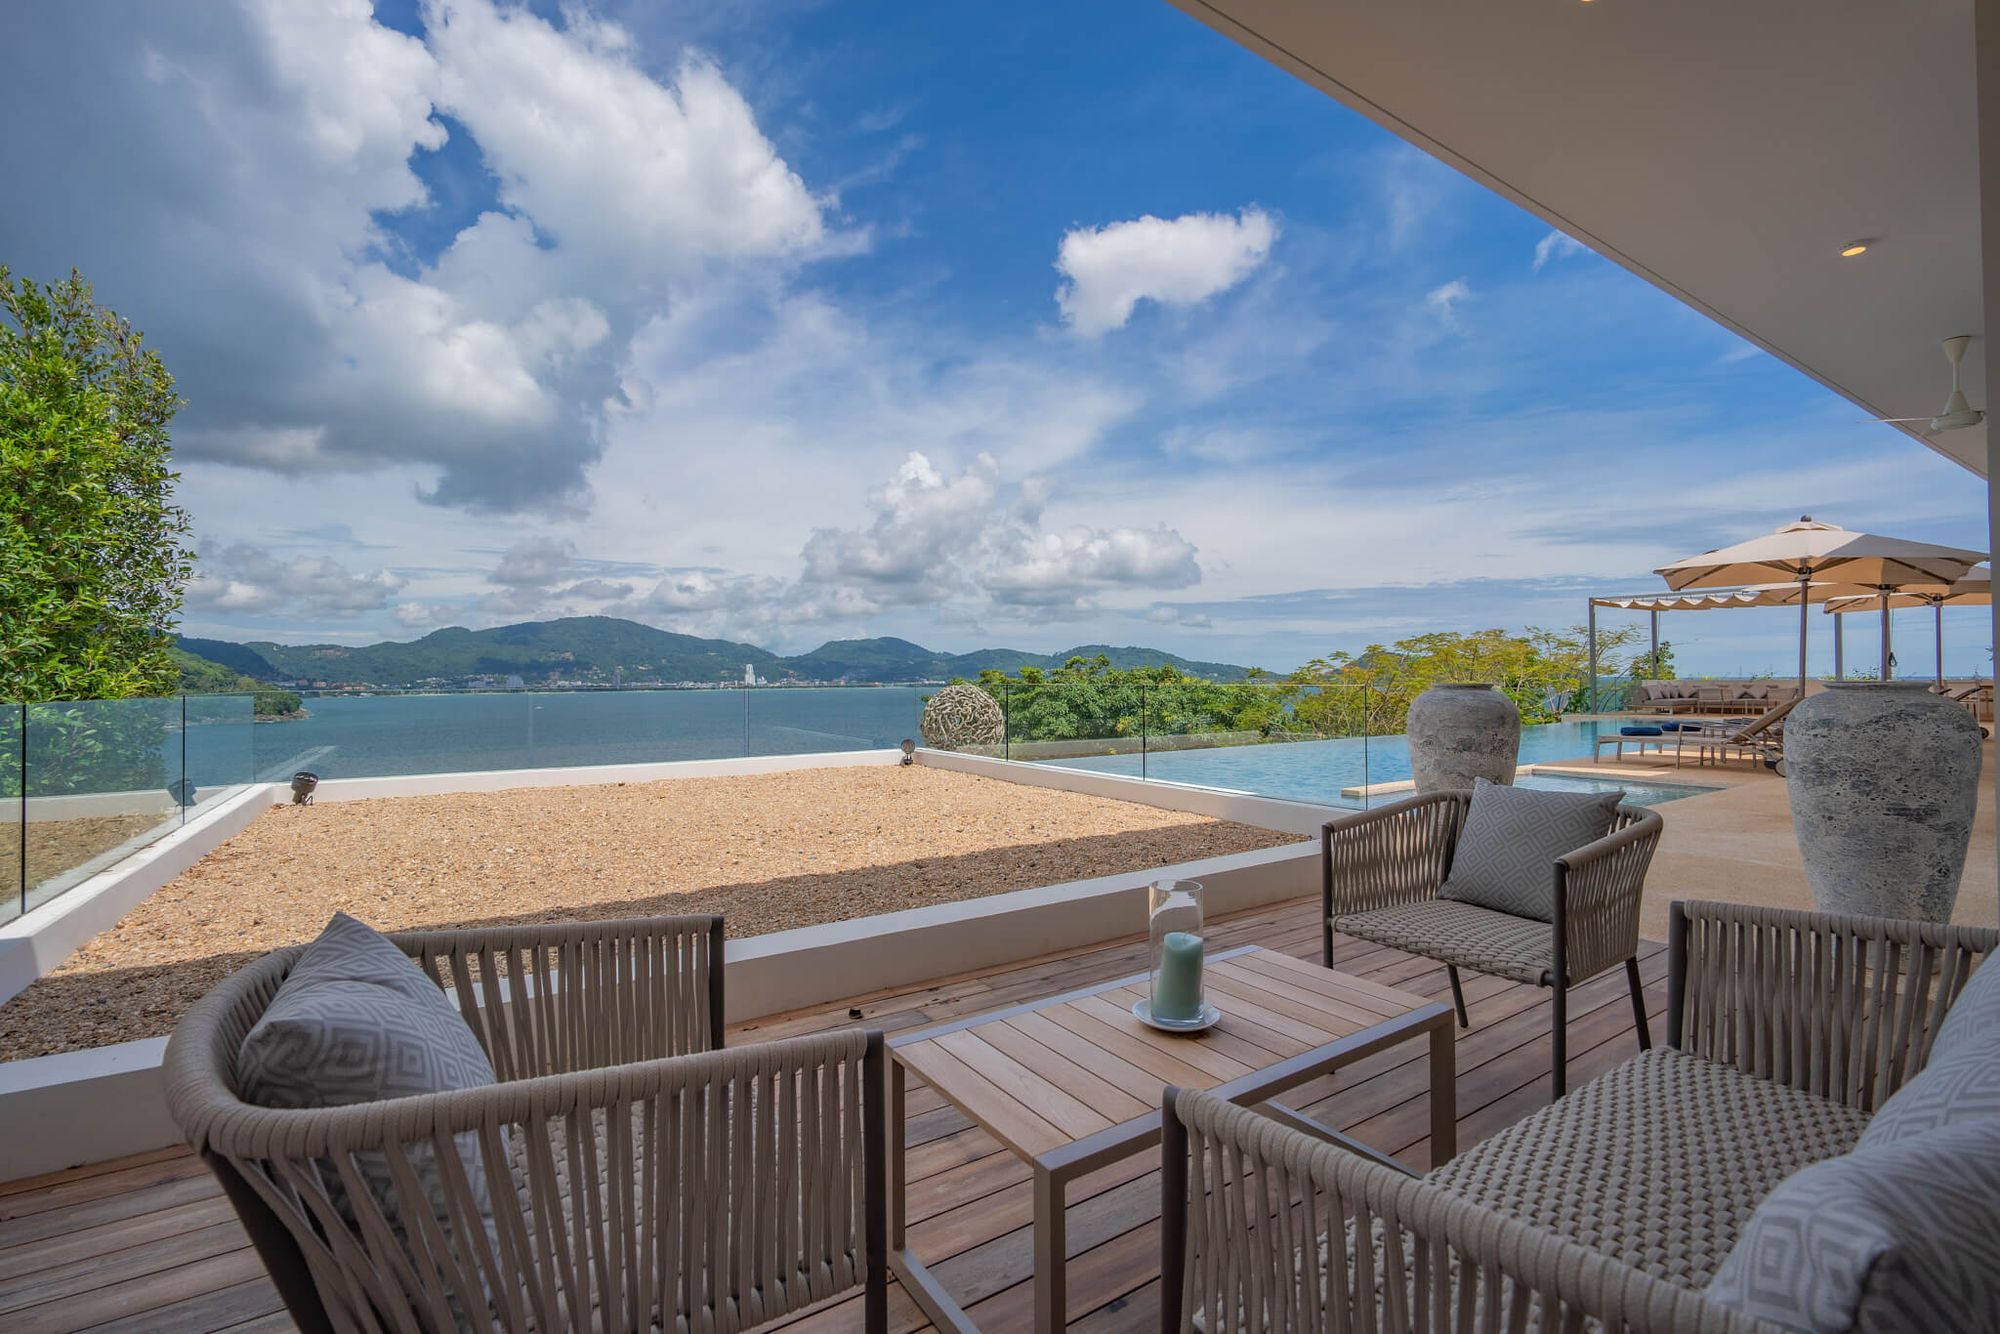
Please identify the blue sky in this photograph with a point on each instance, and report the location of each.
(978, 324)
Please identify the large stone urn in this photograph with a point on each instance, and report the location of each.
(1883, 778)
(1462, 732)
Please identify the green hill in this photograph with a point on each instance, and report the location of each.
(591, 648)
(201, 676)
(586, 648)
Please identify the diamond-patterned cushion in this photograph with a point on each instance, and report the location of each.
(1965, 1084)
(1900, 1237)
(1505, 859)
(357, 1021)
(1974, 1019)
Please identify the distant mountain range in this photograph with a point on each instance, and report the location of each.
(591, 649)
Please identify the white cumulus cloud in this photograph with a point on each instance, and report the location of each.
(1445, 300)
(1556, 245)
(248, 579)
(1171, 261)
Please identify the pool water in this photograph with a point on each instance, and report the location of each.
(1318, 771)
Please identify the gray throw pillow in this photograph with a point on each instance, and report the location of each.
(1965, 1083)
(1506, 853)
(357, 1021)
(1974, 1019)
(1901, 1237)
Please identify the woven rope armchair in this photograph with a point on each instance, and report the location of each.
(635, 1174)
(1380, 872)
(1616, 1204)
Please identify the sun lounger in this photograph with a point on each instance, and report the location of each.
(1760, 739)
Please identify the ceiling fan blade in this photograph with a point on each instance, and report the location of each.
(1894, 421)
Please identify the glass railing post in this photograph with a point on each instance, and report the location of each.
(22, 806)
(1367, 727)
(1145, 737)
(746, 721)
(1006, 721)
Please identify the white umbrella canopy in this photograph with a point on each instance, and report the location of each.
(1813, 551)
(1974, 590)
(1809, 551)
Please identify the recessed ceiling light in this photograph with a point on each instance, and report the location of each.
(1853, 248)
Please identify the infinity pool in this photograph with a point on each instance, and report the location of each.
(1318, 771)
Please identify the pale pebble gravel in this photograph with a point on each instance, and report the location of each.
(769, 851)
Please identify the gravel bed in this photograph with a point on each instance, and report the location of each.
(770, 852)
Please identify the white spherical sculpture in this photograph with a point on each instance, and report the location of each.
(960, 716)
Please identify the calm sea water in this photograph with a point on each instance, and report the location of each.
(419, 734)
(416, 734)
(1317, 771)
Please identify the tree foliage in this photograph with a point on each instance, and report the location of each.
(1545, 672)
(1089, 699)
(93, 556)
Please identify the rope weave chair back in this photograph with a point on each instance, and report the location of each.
(1602, 885)
(1271, 1229)
(1838, 1005)
(614, 1181)
(550, 999)
(1394, 854)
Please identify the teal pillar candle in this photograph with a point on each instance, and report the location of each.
(1177, 985)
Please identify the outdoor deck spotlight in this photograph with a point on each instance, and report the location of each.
(303, 783)
(181, 791)
(909, 751)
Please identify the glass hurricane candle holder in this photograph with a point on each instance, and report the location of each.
(1176, 930)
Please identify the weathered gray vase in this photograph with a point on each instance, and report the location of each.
(1883, 777)
(1462, 732)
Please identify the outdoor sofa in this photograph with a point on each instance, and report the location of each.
(1385, 876)
(609, 1165)
(1816, 1147)
(1705, 695)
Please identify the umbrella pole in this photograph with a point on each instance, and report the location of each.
(1937, 629)
(1591, 649)
(1885, 634)
(1655, 616)
(1840, 648)
(1804, 607)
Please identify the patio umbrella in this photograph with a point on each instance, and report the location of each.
(1810, 551)
(1974, 590)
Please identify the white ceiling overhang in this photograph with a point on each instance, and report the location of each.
(1723, 151)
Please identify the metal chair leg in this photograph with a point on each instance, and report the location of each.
(1457, 995)
(1638, 1005)
(1560, 1073)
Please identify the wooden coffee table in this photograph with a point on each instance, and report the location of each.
(1071, 1083)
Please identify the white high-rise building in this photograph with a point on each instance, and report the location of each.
(749, 674)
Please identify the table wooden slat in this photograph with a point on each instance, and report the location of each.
(1234, 1035)
(1364, 992)
(1079, 1081)
(1028, 1085)
(1282, 994)
(975, 1095)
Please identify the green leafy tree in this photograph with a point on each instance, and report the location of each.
(93, 552)
(1545, 673)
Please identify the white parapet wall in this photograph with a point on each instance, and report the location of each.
(36, 942)
(103, 1103)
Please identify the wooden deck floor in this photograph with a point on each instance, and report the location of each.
(148, 1243)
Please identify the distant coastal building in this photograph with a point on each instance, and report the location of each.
(750, 674)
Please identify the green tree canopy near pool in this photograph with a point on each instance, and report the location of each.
(1545, 672)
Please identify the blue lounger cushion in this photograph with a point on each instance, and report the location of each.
(1640, 731)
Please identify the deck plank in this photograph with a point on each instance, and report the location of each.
(148, 1243)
